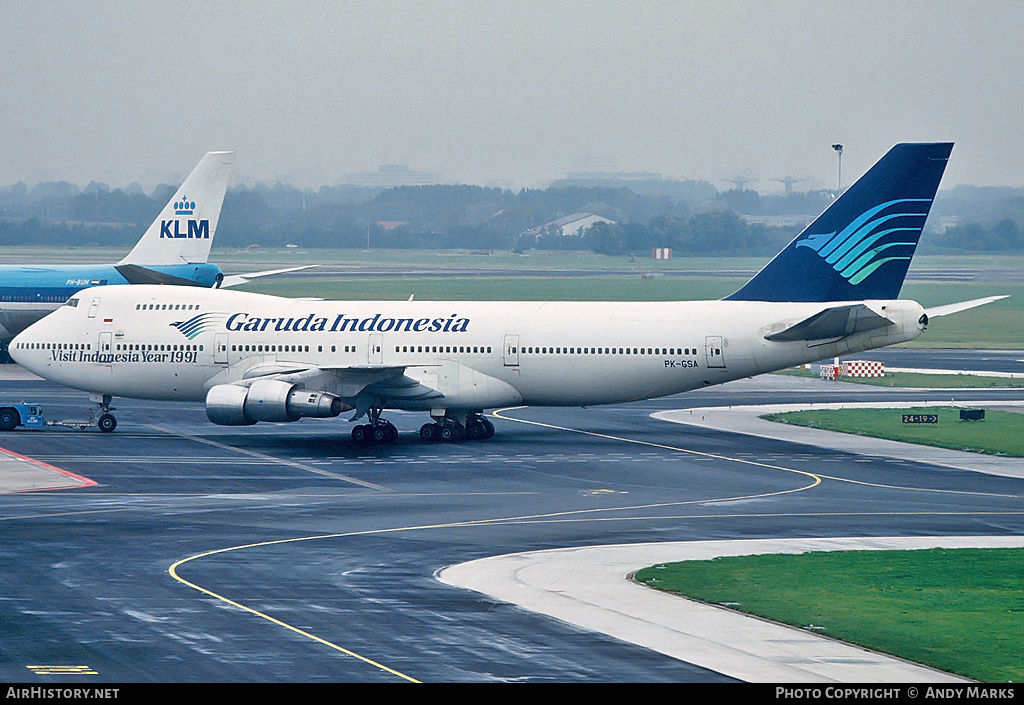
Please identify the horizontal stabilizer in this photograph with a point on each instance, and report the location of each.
(142, 275)
(836, 322)
(939, 311)
(237, 279)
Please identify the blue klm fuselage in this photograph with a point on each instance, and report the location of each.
(56, 283)
(29, 292)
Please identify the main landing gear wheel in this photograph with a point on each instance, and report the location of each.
(377, 431)
(449, 430)
(385, 433)
(107, 423)
(478, 428)
(382, 433)
(361, 433)
(452, 432)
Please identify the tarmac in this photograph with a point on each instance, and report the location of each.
(19, 473)
(592, 587)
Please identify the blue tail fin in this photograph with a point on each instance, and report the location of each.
(860, 247)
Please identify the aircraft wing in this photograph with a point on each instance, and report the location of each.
(938, 311)
(833, 322)
(237, 279)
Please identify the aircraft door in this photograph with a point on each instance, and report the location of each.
(511, 354)
(105, 341)
(713, 346)
(375, 349)
(220, 349)
(93, 307)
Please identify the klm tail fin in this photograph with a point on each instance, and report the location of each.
(183, 232)
(860, 247)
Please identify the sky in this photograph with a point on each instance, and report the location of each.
(512, 93)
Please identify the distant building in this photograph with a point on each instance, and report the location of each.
(569, 226)
(795, 220)
(611, 178)
(649, 183)
(945, 222)
(388, 175)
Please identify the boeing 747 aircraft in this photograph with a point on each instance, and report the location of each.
(173, 250)
(832, 291)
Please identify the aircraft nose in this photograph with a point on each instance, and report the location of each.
(15, 350)
(21, 350)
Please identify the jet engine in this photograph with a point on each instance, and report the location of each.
(268, 400)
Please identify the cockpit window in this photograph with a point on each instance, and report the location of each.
(72, 302)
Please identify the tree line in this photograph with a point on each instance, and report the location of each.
(690, 217)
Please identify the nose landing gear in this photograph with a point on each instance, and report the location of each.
(106, 422)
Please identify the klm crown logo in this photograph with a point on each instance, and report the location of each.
(195, 326)
(184, 206)
(865, 245)
(193, 230)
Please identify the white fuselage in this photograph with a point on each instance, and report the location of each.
(175, 343)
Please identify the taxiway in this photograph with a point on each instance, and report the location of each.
(287, 553)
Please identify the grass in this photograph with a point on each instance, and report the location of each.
(898, 602)
(1001, 433)
(995, 326)
(918, 380)
(490, 288)
(243, 259)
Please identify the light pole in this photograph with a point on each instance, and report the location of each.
(839, 151)
(362, 221)
(839, 190)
